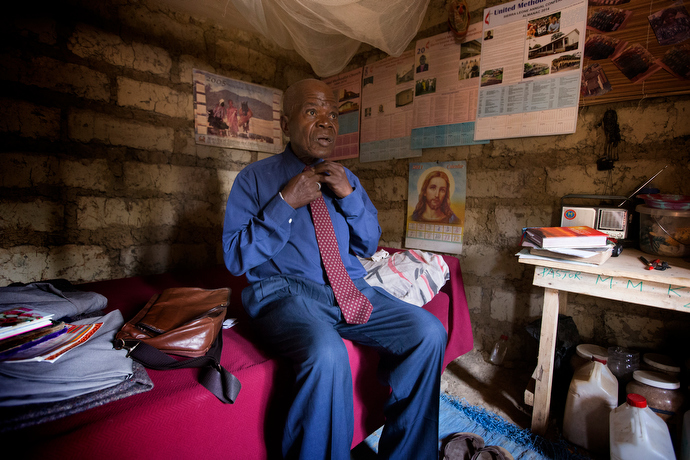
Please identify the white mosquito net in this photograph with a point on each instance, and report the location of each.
(327, 33)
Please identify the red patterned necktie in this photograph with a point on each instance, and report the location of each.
(355, 306)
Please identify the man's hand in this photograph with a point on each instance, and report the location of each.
(306, 186)
(302, 189)
(333, 175)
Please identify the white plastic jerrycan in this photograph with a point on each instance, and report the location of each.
(592, 395)
(637, 433)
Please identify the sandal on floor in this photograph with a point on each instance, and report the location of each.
(462, 446)
(492, 453)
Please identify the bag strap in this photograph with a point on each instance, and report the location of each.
(212, 375)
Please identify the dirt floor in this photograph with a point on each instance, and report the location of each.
(499, 389)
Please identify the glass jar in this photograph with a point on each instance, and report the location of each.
(662, 392)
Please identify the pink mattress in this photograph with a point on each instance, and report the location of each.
(179, 418)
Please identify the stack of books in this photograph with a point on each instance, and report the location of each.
(571, 244)
(31, 335)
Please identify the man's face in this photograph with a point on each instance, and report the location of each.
(436, 192)
(312, 122)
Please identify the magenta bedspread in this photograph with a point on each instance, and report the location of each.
(179, 419)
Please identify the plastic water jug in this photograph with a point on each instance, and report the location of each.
(637, 433)
(592, 395)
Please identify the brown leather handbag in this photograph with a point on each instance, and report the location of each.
(183, 322)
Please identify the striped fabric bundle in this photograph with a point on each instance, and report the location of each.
(413, 276)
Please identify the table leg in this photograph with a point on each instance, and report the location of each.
(544, 371)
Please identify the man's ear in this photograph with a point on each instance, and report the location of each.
(284, 124)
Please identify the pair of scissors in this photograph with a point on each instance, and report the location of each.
(657, 264)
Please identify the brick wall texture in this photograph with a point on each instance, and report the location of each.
(100, 176)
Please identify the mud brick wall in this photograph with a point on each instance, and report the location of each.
(100, 176)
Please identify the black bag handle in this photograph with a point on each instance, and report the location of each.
(212, 375)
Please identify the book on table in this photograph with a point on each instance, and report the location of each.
(566, 237)
(595, 256)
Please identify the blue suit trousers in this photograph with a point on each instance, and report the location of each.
(301, 320)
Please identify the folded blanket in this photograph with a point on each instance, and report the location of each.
(18, 417)
(413, 276)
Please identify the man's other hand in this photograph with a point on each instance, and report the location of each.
(333, 175)
(306, 186)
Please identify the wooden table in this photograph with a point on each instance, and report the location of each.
(623, 278)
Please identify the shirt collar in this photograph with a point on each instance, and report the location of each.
(294, 163)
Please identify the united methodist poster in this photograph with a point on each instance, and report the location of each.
(446, 86)
(436, 206)
(531, 66)
(236, 114)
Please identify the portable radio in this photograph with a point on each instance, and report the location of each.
(611, 220)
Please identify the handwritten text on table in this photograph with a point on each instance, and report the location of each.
(644, 292)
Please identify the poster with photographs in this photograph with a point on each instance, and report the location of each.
(347, 88)
(236, 114)
(531, 69)
(446, 75)
(388, 88)
(436, 206)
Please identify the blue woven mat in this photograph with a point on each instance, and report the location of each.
(457, 416)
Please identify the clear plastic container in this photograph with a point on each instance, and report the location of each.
(592, 395)
(623, 362)
(583, 355)
(498, 354)
(664, 232)
(636, 433)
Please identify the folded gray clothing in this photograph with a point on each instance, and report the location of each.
(92, 366)
(47, 298)
(18, 417)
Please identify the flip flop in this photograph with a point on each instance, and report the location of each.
(462, 446)
(492, 453)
